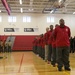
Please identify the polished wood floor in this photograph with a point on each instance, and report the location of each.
(27, 63)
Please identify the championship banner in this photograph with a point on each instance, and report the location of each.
(11, 29)
(30, 29)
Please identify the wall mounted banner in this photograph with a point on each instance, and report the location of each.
(11, 29)
(30, 29)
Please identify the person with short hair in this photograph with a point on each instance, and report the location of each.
(45, 37)
(54, 48)
(50, 44)
(62, 34)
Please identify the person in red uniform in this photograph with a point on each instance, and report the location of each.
(38, 45)
(43, 48)
(54, 48)
(62, 34)
(35, 44)
(36, 51)
(46, 44)
(50, 44)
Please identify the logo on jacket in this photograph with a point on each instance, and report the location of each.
(66, 29)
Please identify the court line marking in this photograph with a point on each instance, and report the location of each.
(21, 63)
(66, 73)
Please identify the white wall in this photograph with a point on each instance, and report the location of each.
(37, 21)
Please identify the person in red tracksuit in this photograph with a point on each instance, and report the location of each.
(46, 44)
(62, 34)
(50, 44)
(35, 44)
(40, 45)
(54, 48)
(43, 48)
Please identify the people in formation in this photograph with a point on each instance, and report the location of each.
(5, 46)
(55, 45)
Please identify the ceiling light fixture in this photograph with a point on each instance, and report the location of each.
(60, 1)
(20, 1)
(0, 10)
(52, 11)
(30, 9)
(21, 10)
(73, 12)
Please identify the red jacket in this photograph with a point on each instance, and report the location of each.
(43, 43)
(38, 42)
(53, 41)
(41, 39)
(62, 36)
(46, 36)
(35, 42)
(49, 37)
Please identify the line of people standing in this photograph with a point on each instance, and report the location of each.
(5, 46)
(54, 45)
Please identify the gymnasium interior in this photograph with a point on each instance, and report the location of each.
(23, 20)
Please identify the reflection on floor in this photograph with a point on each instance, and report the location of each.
(27, 63)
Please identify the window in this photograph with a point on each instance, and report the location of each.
(50, 19)
(11, 19)
(0, 19)
(26, 19)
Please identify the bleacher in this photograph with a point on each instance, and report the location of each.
(3, 38)
(23, 42)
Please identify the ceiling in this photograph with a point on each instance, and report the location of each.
(40, 6)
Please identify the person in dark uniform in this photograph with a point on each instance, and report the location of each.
(62, 34)
(74, 44)
(71, 45)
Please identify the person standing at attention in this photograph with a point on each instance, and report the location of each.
(46, 44)
(62, 34)
(50, 44)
